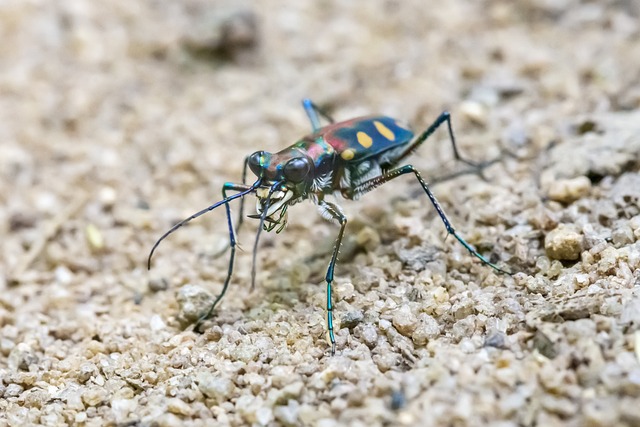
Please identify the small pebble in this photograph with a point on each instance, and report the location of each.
(475, 112)
(217, 388)
(544, 345)
(168, 420)
(405, 321)
(94, 396)
(179, 407)
(21, 357)
(497, 339)
(157, 285)
(351, 319)
(569, 190)
(193, 301)
(630, 315)
(94, 237)
(264, 416)
(156, 323)
(599, 413)
(630, 410)
(6, 345)
(122, 408)
(248, 406)
(369, 334)
(622, 236)
(13, 390)
(107, 196)
(559, 405)
(287, 415)
(63, 275)
(426, 329)
(21, 220)
(634, 223)
(86, 371)
(368, 238)
(398, 400)
(564, 243)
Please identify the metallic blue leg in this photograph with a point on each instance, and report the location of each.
(314, 112)
(373, 183)
(244, 182)
(445, 116)
(335, 213)
(232, 244)
(263, 216)
(240, 210)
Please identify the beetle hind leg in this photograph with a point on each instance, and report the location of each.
(444, 117)
(367, 186)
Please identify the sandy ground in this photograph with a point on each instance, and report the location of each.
(119, 118)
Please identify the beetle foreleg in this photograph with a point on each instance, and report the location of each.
(232, 246)
(263, 216)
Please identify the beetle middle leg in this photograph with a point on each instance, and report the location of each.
(331, 211)
(373, 183)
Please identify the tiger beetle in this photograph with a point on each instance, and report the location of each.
(351, 158)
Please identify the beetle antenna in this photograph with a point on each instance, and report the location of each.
(263, 216)
(197, 214)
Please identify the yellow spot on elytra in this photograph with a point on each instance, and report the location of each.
(364, 139)
(384, 131)
(347, 154)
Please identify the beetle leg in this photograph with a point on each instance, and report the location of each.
(373, 183)
(313, 112)
(331, 211)
(444, 117)
(232, 245)
(244, 181)
(241, 208)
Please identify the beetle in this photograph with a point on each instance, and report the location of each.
(349, 158)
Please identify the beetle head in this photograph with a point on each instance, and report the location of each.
(293, 169)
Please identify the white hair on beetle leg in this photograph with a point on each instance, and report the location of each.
(373, 171)
(363, 167)
(322, 182)
(328, 211)
(345, 179)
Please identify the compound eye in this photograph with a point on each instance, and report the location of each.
(256, 163)
(296, 169)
